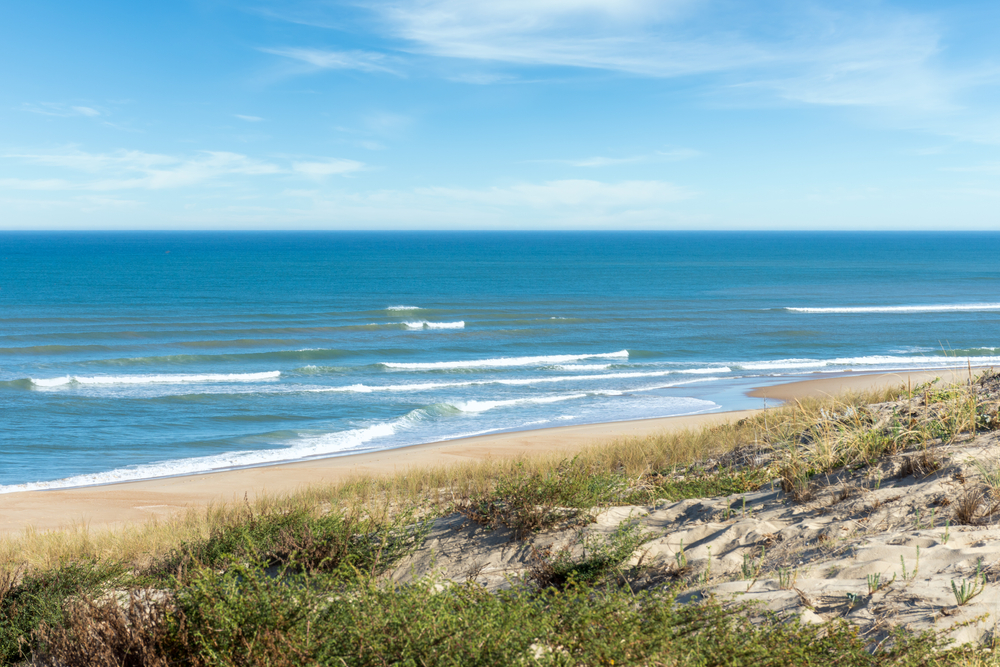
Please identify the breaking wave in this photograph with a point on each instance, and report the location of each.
(175, 378)
(504, 362)
(870, 362)
(303, 448)
(933, 308)
(483, 406)
(424, 324)
(510, 382)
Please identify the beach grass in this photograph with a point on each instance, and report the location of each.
(298, 579)
(242, 617)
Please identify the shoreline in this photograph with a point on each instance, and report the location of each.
(115, 504)
(839, 384)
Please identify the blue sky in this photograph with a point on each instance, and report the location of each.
(508, 114)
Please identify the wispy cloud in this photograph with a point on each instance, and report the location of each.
(125, 170)
(987, 168)
(35, 184)
(61, 110)
(327, 167)
(848, 54)
(929, 150)
(569, 193)
(563, 204)
(603, 161)
(364, 61)
(598, 34)
(901, 63)
(385, 122)
(249, 119)
(889, 60)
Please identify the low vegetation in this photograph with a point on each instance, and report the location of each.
(302, 579)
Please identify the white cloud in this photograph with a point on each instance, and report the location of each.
(988, 168)
(97, 162)
(601, 34)
(566, 204)
(571, 193)
(384, 122)
(136, 169)
(249, 119)
(61, 110)
(603, 161)
(327, 167)
(365, 61)
(35, 184)
(125, 170)
(848, 54)
(869, 62)
(676, 154)
(906, 65)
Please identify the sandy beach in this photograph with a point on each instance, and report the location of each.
(114, 504)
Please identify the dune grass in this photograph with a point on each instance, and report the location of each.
(240, 617)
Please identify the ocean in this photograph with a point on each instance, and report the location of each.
(136, 355)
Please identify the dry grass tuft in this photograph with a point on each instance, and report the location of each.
(106, 634)
(920, 465)
(968, 505)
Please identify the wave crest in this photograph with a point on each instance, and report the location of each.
(873, 362)
(504, 362)
(931, 308)
(475, 406)
(175, 378)
(424, 324)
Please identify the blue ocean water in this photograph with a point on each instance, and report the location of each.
(136, 355)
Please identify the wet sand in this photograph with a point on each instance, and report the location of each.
(114, 504)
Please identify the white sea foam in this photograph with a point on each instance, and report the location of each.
(704, 371)
(505, 362)
(931, 308)
(312, 446)
(651, 387)
(874, 361)
(483, 406)
(510, 382)
(424, 324)
(404, 308)
(175, 378)
(583, 367)
(307, 447)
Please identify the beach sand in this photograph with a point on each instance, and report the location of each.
(114, 504)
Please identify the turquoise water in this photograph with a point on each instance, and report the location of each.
(136, 355)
